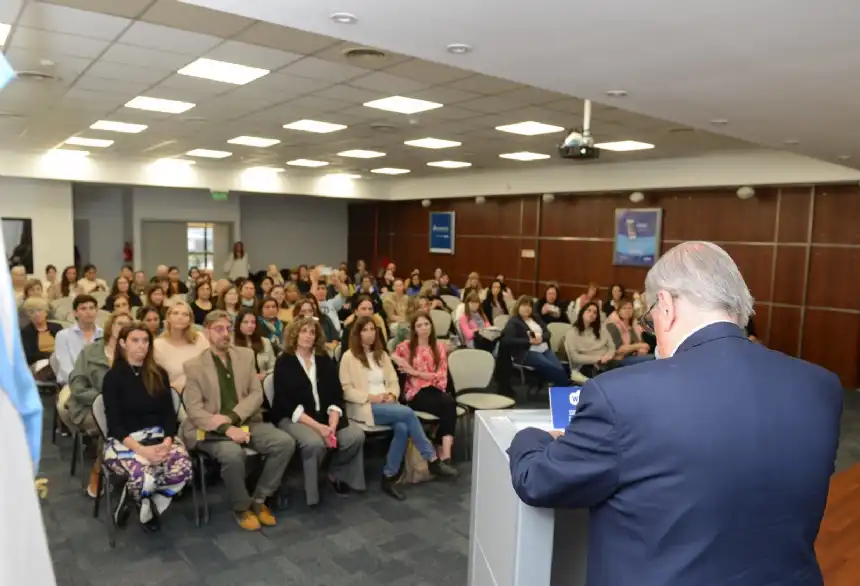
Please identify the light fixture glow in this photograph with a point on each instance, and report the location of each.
(459, 48)
(208, 154)
(159, 105)
(264, 169)
(530, 128)
(433, 143)
(254, 141)
(89, 142)
(361, 154)
(449, 164)
(402, 105)
(624, 146)
(124, 127)
(345, 175)
(167, 162)
(344, 18)
(71, 153)
(314, 126)
(389, 171)
(719, 121)
(4, 33)
(222, 71)
(524, 156)
(307, 163)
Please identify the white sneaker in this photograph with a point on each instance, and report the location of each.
(578, 377)
(161, 502)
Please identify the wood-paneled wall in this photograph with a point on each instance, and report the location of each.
(798, 248)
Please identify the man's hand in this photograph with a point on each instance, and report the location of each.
(218, 420)
(238, 435)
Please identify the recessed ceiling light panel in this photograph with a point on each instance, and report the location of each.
(459, 48)
(402, 105)
(4, 33)
(624, 146)
(254, 141)
(433, 143)
(307, 163)
(719, 121)
(314, 126)
(167, 162)
(159, 105)
(530, 128)
(361, 154)
(524, 156)
(124, 127)
(449, 164)
(89, 142)
(222, 71)
(68, 153)
(389, 171)
(344, 18)
(208, 154)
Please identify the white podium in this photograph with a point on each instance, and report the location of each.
(511, 543)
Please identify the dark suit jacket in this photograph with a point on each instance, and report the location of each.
(293, 388)
(30, 341)
(709, 468)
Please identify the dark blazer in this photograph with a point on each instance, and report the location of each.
(30, 341)
(516, 336)
(548, 318)
(709, 468)
(293, 388)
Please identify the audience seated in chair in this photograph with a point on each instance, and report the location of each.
(155, 298)
(396, 304)
(275, 275)
(445, 286)
(121, 286)
(613, 300)
(67, 287)
(229, 302)
(142, 429)
(273, 327)
(576, 305)
(70, 341)
(175, 286)
(140, 283)
(223, 398)
(329, 307)
(265, 290)
(527, 338)
(588, 345)
(308, 405)
(50, 279)
(627, 336)
(363, 308)
(474, 325)
(371, 390)
(39, 339)
(473, 281)
(495, 304)
(202, 304)
(179, 343)
(249, 333)
(121, 304)
(308, 307)
(248, 295)
(91, 283)
(548, 307)
(423, 360)
(74, 403)
(151, 320)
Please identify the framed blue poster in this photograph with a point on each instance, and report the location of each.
(637, 236)
(442, 232)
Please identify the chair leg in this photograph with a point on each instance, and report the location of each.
(55, 423)
(194, 497)
(202, 465)
(109, 505)
(98, 500)
(76, 440)
(81, 449)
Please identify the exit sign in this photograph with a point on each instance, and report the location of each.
(220, 195)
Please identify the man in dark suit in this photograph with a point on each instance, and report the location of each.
(709, 467)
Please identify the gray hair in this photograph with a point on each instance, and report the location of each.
(704, 275)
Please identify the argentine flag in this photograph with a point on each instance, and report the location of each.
(16, 380)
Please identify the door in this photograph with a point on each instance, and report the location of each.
(164, 243)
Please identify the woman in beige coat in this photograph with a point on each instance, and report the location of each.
(371, 390)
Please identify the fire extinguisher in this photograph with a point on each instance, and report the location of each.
(127, 252)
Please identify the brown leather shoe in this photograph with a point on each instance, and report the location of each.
(247, 520)
(265, 515)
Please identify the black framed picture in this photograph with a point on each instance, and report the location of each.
(18, 241)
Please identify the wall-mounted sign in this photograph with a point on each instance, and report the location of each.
(442, 232)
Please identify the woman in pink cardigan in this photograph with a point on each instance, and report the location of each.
(474, 326)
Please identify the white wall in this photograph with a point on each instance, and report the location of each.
(104, 207)
(49, 205)
(180, 205)
(291, 230)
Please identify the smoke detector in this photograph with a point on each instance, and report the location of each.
(745, 192)
(637, 197)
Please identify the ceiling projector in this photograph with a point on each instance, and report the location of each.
(578, 145)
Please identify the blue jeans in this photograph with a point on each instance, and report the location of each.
(548, 367)
(405, 424)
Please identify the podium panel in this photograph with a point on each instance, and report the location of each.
(511, 543)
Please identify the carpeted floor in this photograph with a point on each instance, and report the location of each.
(366, 539)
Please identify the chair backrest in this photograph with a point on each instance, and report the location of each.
(501, 321)
(99, 414)
(54, 362)
(471, 369)
(557, 332)
(441, 322)
(61, 306)
(392, 344)
(451, 301)
(269, 388)
(100, 297)
(178, 405)
(102, 317)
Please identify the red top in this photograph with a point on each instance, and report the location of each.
(423, 362)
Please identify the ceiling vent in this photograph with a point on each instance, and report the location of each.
(365, 56)
(680, 129)
(36, 75)
(381, 127)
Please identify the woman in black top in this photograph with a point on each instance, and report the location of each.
(309, 404)
(202, 304)
(175, 286)
(142, 429)
(121, 286)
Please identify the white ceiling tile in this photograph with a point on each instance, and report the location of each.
(198, 85)
(315, 68)
(338, 54)
(140, 56)
(488, 104)
(382, 82)
(112, 86)
(285, 39)
(84, 97)
(530, 96)
(570, 105)
(427, 72)
(125, 8)
(9, 10)
(195, 95)
(282, 87)
(352, 95)
(62, 19)
(67, 68)
(120, 71)
(447, 113)
(320, 104)
(444, 95)
(484, 84)
(252, 55)
(154, 36)
(193, 18)
(45, 42)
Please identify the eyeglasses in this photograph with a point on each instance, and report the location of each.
(646, 322)
(222, 329)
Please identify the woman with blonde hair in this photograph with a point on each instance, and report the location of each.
(179, 343)
(472, 282)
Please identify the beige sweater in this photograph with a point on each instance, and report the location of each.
(172, 358)
(584, 348)
(353, 379)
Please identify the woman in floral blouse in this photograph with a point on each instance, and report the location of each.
(423, 359)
